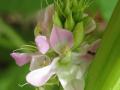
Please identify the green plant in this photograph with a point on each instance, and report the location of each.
(104, 72)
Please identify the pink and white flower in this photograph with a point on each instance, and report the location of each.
(59, 39)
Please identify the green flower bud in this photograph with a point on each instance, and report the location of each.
(75, 2)
(74, 5)
(69, 23)
(56, 20)
(77, 16)
(67, 11)
(78, 34)
(67, 8)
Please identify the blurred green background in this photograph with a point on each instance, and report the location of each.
(17, 21)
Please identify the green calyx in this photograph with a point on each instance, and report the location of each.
(37, 31)
(65, 60)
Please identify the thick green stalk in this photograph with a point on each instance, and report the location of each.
(104, 73)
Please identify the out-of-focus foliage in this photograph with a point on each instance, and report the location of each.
(104, 73)
(105, 7)
(29, 6)
(15, 34)
(23, 6)
(13, 78)
(8, 35)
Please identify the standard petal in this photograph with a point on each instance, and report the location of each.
(61, 39)
(45, 19)
(40, 76)
(42, 44)
(21, 58)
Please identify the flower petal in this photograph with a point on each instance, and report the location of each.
(92, 49)
(90, 25)
(73, 84)
(39, 61)
(69, 79)
(60, 39)
(95, 45)
(45, 19)
(40, 76)
(42, 44)
(21, 58)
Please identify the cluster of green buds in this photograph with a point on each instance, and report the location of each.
(70, 15)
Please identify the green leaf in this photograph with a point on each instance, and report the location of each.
(104, 73)
(104, 8)
(107, 8)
